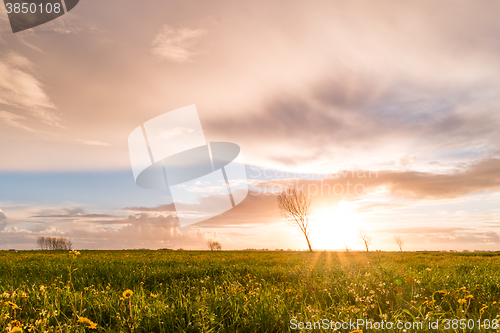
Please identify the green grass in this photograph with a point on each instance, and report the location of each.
(200, 291)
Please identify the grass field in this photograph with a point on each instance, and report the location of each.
(202, 291)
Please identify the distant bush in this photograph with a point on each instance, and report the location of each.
(54, 243)
(214, 245)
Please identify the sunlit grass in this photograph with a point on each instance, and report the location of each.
(188, 291)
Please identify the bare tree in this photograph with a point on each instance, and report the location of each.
(400, 242)
(54, 243)
(214, 245)
(366, 239)
(346, 246)
(295, 206)
(41, 243)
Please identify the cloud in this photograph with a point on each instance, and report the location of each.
(459, 236)
(176, 45)
(103, 231)
(483, 176)
(260, 205)
(168, 208)
(13, 120)
(92, 142)
(464, 180)
(19, 88)
(2, 216)
(375, 206)
(334, 125)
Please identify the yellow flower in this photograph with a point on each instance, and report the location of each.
(356, 331)
(462, 301)
(469, 296)
(127, 293)
(87, 322)
(153, 295)
(12, 305)
(74, 252)
(17, 329)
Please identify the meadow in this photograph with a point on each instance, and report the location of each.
(245, 291)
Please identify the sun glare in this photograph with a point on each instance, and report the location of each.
(335, 227)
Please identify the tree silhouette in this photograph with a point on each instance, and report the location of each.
(366, 239)
(295, 206)
(400, 242)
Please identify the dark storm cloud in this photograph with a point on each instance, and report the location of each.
(332, 116)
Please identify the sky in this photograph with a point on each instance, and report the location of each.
(397, 98)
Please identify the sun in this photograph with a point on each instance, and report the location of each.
(335, 227)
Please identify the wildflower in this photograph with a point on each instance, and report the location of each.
(74, 253)
(356, 331)
(462, 301)
(127, 293)
(87, 322)
(12, 305)
(469, 296)
(153, 295)
(17, 330)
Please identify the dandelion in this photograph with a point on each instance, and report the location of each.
(153, 295)
(17, 330)
(127, 293)
(469, 296)
(87, 322)
(462, 301)
(74, 253)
